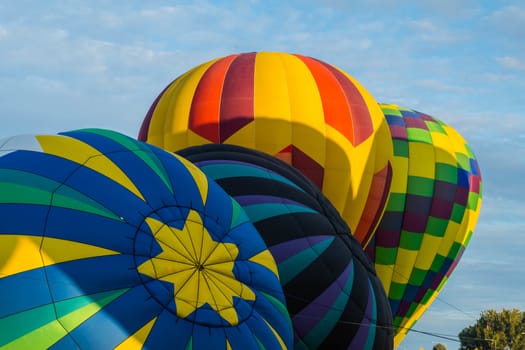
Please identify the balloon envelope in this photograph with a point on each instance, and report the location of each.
(304, 111)
(431, 213)
(333, 295)
(106, 242)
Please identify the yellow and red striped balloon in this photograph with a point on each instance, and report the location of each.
(311, 114)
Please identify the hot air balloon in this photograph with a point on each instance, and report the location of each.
(304, 111)
(431, 213)
(109, 243)
(332, 293)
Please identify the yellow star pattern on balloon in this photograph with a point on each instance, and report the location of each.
(200, 268)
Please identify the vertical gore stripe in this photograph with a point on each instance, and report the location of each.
(206, 103)
(237, 105)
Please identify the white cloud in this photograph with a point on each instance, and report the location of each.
(511, 62)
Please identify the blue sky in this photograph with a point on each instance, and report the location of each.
(74, 64)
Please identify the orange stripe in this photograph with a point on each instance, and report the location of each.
(335, 104)
(206, 103)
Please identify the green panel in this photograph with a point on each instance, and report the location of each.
(417, 276)
(397, 290)
(66, 197)
(15, 193)
(457, 213)
(396, 202)
(473, 201)
(435, 127)
(454, 250)
(292, 266)
(463, 161)
(391, 111)
(19, 324)
(436, 226)
(437, 263)
(427, 296)
(386, 256)
(278, 305)
(410, 240)
(419, 135)
(420, 186)
(239, 216)
(329, 321)
(189, 346)
(446, 172)
(412, 308)
(470, 153)
(400, 148)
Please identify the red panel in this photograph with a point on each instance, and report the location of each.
(335, 104)
(375, 205)
(361, 119)
(205, 106)
(307, 166)
(237, 105)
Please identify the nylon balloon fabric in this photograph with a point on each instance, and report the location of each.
(332, 293)
(109, 243)
(431, 213)
(304, 111)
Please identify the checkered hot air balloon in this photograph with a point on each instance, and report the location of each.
(431, 213)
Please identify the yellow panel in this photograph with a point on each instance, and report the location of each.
(306, 109)
(201, 181)
(427, 252)
(265, 258)
(445, 156)
(82, 153)
(384, 272)
(55, 251)
(19, 253)
(399, 175)
(422, 161)
(244, 137)
(271, 104)
(449, 238)
(404, 265)
(136, 341)
(25, 252)
(457, 140)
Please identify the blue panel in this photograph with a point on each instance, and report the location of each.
(119, 320)
(23, 291)
(92, 275)
(91, 229)
(169, 331)
(15, 218)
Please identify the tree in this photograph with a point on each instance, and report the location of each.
(495, 330)
(439, 346)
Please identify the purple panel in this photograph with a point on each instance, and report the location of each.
(444, 190)
(462, 196)
(309, 317)
(387, 238)
(415, 123)
(441, 209)
(283, 251)
(366, 325)
(415, 222)
(398, 132)
(418, 204)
